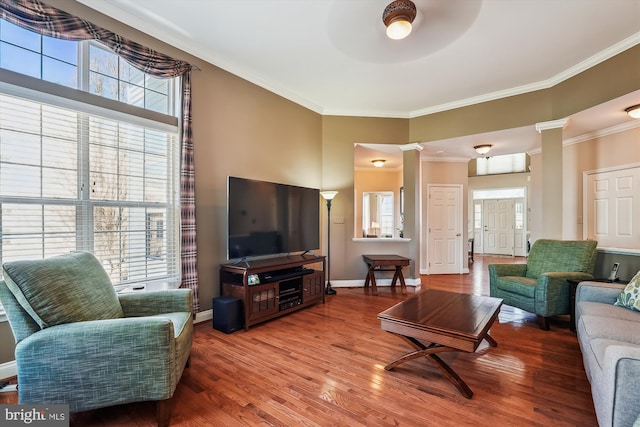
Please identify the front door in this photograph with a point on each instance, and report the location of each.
(498, 227)
(444, 251)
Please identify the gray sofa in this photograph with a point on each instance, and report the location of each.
(609, 338)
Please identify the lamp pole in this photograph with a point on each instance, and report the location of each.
(328, 196)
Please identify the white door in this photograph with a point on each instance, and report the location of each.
(498, 227)
(445, 248)
(612, 202)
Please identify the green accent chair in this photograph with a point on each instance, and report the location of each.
(540, 286)
(80, 343)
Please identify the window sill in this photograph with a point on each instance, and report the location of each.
(380, 239)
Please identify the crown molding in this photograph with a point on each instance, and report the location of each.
(602, 133)
(552, 124)
(411, 146)
(451, 159)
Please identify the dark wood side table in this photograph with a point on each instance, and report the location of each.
(379, 262)
(573, 287)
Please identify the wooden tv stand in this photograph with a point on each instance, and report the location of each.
(285, 284)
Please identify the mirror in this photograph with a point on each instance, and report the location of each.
(377, 191)
(377, 214)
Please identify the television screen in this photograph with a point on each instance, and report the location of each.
(266, 218)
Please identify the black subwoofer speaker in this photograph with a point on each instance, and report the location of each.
(227, 314)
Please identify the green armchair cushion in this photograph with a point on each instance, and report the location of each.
(561, 256)
(75, 282)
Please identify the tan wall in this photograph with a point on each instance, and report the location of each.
(339, 134)
(618, 149)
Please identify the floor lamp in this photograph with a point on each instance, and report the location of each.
(328, 196)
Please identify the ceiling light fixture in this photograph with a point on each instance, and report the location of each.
(633, 111)
(397, 17)
(378, 163)
(482, 149)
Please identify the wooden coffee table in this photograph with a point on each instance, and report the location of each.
(436, 322)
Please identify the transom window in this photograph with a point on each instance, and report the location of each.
(87, 174)
(86, 65)
(508, 163)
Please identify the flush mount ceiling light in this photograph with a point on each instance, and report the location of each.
(633, 111)
(378, 163)
(482, 149)
(397, 17)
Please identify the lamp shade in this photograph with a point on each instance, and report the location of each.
(482, 149)
(328, 195)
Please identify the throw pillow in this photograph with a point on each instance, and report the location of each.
(63, 289)
(630, 296)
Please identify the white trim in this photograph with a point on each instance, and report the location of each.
(601, 133)
(203, 316)
(551, 124)
(357, 283)
(379, 240)
(8, 369)
(412, 146)
(446, 159)
(619, 251)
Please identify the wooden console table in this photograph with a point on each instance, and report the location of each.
(379, 262)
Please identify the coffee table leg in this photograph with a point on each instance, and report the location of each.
(492, 342)
(428, 353)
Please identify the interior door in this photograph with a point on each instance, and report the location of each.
(498, 235)
(612, 201)
(445, 248)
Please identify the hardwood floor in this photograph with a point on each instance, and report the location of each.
(324, 366)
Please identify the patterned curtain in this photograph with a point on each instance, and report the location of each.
(49, 21)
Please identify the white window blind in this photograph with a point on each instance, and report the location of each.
(508, 163)
(71, 179)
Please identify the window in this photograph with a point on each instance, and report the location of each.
(377, 214)
(75, 175)
(509, 163)
(477, 216)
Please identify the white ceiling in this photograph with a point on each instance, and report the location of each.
(332, 56)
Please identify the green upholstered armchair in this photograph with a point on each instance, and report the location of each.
(79, 343)
(540, 286)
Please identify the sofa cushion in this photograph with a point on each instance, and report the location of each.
(63, 289)
(624, 331)
(591, 308)
(630, 296)
(518, 285)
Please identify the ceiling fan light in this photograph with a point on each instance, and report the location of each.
(633, 111)
(399, 29)
(397, 17)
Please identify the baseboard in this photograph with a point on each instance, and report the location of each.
(203, 316)
(379, 282)
(8, 369)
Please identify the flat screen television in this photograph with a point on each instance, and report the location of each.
(266, 218)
